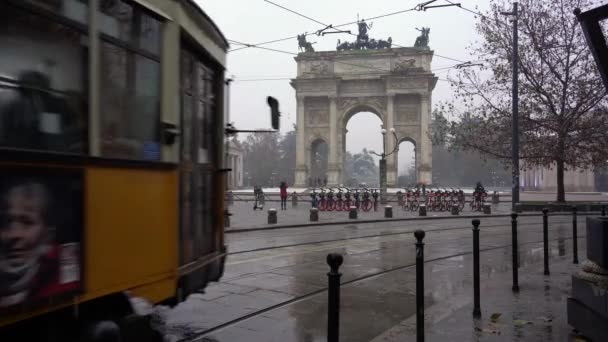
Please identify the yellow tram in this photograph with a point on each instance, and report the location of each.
(111, 154)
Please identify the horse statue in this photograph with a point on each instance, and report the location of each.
(303, 45)
(385, 44)
(423, 40)
(342, 46)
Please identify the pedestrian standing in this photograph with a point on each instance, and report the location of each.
(283, 188)
(325, 182)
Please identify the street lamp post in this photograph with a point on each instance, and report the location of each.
(383, 155)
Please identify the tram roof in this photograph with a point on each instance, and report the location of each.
(217, 30)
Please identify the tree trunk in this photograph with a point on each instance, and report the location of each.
(561, 193)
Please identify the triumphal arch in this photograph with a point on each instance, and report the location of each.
(331, 86)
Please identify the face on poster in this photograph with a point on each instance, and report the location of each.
(41, 218)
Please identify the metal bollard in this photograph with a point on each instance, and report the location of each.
(419, 234)
(574, 236)
(227, 215)
(230, 198)
(476, 305)
(422, 210)
(495, 198)
(294, 199)
(487, 208)
(546, 240)
(314, 215)
(603, 210)
(514, 252)
(352, 213)
(334, 261)
(272, 216)
(455, 209)
(388, 211)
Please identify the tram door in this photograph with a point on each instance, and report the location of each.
(197, 157)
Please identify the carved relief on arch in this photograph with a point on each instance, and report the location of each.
(408, 133)
(315, 134)
(317, 111)
(376, 102)
(407, 108)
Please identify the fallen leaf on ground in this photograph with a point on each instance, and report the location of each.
(545, 319)
(495, 316)
(521, 322)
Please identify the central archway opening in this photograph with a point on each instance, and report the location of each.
(361, 137)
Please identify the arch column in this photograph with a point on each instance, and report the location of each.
(334, 166)
(424, 156)
(302, 165)
(391, 161)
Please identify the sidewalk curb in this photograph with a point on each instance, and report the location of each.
(415, 218)
(336, 223)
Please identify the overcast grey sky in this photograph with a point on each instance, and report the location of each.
(255, 21)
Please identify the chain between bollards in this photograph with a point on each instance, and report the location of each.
(334, 261)
(419, 234)
(477, 305)
(514, 252)
(574, 236)
(546, 240)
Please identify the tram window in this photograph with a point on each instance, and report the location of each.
(76, 10)
(130, 24)
(43, 83)
(130, 111)
(130, 81)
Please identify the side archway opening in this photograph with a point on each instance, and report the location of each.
(319, 152)
(406, 164)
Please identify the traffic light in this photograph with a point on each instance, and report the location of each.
(274, 112)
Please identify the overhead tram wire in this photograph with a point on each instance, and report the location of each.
(339, 62)
(341, 25)
(295, 54)
(479, 14)
(415, 8)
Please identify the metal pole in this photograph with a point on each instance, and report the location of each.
(515, 133)
(515, 262)
(419, 234)
(603, 210)
(477, 306)
(574, 236)
(546, 240)
(334, 261)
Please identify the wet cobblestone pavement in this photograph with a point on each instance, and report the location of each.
(277, 291)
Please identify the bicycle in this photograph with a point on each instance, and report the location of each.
(356, 196)
(366, 204)
(331, 202)
(415, 203)
(478, 201)
(339, 202)
(375, 196)
(347, 201)
(313, 199)
(322, 200)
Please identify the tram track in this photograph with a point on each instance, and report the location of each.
(375, 235)
(240, 276)
(200, 336)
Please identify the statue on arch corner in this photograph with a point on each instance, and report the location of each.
(423, 40)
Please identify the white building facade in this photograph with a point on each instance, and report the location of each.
(234, 161)
(545, 179)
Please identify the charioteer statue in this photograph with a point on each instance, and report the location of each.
(363, 42)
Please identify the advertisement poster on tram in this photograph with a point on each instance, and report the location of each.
(41, 228)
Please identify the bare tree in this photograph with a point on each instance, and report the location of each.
(563, 120)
